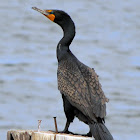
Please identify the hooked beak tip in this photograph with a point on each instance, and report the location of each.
(45, 13)
(34, 8)
(39, 10)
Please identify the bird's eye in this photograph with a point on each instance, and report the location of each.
(51, 12)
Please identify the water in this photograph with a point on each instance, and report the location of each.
(107, 39)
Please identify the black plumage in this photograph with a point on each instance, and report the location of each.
(79, 85)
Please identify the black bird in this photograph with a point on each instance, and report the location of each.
(79, 85)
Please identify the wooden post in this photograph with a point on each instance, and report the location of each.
(42, 135)
(19, 135)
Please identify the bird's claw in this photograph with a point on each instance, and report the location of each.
(66, 132)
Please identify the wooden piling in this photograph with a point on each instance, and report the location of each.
(42, 135)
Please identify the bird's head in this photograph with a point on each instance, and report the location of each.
(56, 16)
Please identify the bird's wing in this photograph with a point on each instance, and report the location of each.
(97, 98)
(81, 87)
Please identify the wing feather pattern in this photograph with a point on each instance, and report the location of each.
(81, 87)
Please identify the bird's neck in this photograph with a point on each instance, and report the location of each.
(68, 35)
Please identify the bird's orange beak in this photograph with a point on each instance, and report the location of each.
(46, 13)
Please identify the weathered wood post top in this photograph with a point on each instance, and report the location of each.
(42, 135)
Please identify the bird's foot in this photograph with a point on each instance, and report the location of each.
(69, 132)
(87, 135)
(66, 132)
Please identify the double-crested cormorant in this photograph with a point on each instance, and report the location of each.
(79, 85)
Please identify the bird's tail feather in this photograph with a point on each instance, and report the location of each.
(100, 132)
